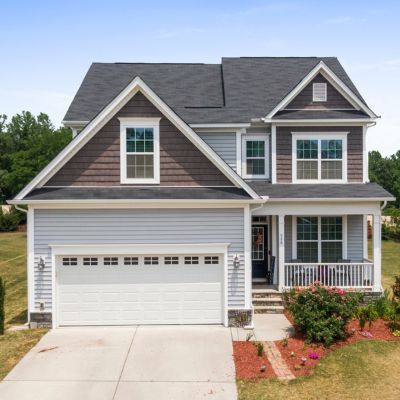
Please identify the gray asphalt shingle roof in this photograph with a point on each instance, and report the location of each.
(237, 90)
(288, 191)
(138, 193)
(317, 191)
(319, 114)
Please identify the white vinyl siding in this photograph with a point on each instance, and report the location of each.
(135, 226)
(224, 144)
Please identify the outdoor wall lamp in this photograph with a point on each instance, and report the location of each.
(236, 261)
(41, 264)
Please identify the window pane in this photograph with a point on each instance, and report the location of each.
(307, 149)
(307, 169)
(331, 169)
(255, 167)
(331, 251)
(331, 228)
(140, 166)
(307, 228)
(139, 140)
(255, 148)
(331, 149)
(307, 251)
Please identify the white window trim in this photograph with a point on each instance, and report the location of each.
(260, 137)
(319, 136)
(315, 98)
(140, 123)
(344, 235)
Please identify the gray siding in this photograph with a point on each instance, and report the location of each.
(224, 144)
(113, 226)
(355, 248)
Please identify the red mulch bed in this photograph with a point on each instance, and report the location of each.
(248, 363)
(297, 345)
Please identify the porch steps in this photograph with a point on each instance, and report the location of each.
(267, 300)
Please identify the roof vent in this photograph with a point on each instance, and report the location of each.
(319, 91)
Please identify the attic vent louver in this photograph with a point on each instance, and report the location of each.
(319, 91)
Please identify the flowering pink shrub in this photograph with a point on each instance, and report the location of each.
(322, 313)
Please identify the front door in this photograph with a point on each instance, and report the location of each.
(259, 251)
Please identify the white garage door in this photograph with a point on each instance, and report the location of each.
(129, 290)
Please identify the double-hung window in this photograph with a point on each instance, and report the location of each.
(254, 157)
(319, 239)
(140, 150)
(319, 158)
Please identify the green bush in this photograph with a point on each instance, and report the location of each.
(2, 313)
(322, 313)
(396, 288)
(9, 221)
(383, 304)
(366, 314)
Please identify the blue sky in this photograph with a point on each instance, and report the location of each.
(47, 46)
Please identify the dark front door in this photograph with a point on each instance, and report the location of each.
(259, 250)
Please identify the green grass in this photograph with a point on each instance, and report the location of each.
(365, 370)
(13, 272)
(14, 345)
(390, 262)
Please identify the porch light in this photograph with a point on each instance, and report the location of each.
(41, 264)
(236, 262)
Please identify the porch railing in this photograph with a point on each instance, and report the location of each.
(357, 275)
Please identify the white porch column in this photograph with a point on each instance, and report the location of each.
(281, 251)
(376, 236)
(247, 257)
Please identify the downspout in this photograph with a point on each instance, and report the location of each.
(383, 205)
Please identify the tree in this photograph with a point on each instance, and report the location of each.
(386, 172)
(27, 145)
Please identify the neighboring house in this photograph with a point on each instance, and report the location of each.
(186, 184)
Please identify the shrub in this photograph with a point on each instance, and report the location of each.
(2, 313)
(396, 288)
(9, 221)
(322, 313)
(260, 349)
(383, 304)
(366, 314)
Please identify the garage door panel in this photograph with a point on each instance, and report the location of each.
(131, 295)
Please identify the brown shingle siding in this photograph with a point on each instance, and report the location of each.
(284, 150)
(98, 162)
(304, 100)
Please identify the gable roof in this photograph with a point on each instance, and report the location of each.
(340, 86)
(136, 85)
(235, 91)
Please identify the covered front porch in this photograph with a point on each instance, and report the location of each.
(297, 244)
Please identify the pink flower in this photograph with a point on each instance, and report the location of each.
(313, 356)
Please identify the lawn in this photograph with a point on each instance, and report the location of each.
(365, 370)
(14, 345)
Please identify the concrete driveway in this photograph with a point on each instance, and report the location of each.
(147, 362)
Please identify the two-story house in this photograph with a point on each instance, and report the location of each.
(188, 184)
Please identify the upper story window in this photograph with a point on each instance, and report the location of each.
(319, 92)
(254, 157)
(319, 158)
(140, 150)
